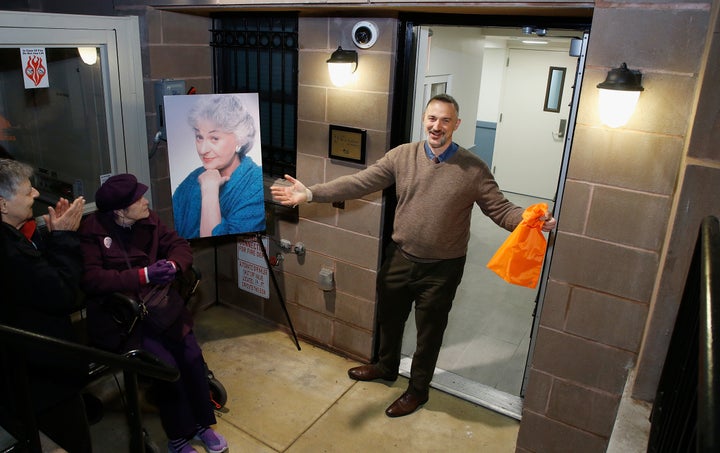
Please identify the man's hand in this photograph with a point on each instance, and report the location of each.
(290, 195)
(550, 222)
(65, 216)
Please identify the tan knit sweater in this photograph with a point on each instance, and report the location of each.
(434, 201)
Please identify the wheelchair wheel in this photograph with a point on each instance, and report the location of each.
(218, 394)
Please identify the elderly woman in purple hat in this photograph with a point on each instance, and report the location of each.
(127, 249)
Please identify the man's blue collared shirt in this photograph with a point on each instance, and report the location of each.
(452, 149)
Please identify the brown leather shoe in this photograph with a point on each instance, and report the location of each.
(369, 373)
(405, 405)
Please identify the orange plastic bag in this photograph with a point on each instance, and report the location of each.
(519, 259)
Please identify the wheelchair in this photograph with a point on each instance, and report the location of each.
(127, 312)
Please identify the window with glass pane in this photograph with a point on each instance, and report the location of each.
(259, 54)
(60, 130)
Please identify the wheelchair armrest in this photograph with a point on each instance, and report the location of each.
(124, 309)
(123, 302)
(196, 276)
(187, 283)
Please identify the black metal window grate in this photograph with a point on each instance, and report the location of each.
(259, 54)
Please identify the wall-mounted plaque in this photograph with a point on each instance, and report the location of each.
(347, 143)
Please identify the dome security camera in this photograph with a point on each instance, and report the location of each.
(364, 34)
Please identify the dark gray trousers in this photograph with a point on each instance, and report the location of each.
(432, 287)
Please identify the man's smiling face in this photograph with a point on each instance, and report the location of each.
(440, 121)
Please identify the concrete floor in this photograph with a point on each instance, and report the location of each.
(285, 400)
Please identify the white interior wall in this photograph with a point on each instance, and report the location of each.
(459, 51)
(493, 69)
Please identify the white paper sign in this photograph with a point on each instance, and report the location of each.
(253, 275)
(34, 67)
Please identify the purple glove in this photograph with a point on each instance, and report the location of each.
(160, 272)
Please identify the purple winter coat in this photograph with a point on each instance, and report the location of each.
(113, 255)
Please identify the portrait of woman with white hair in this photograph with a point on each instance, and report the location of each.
(224, 195)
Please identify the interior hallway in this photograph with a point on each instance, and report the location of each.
(284, 400)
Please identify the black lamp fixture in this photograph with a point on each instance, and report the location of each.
(619, 94)
(342, 65)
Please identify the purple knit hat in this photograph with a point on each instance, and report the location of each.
(119, 192)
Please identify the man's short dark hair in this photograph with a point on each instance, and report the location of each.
(445, 98)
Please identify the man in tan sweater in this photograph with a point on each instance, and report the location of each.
(437, 183)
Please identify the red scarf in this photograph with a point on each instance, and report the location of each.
(28, 229)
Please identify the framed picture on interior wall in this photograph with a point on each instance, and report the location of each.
(215, 161)
(347, 144)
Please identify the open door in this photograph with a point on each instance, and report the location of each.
(489, 338)
(579, 49)
(534, 110)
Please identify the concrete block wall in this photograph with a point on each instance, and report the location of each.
(346, 240)
(612, 251)
(696, 198)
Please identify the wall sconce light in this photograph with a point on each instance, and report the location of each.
(342, 65)
(88, 55)
(618, 96)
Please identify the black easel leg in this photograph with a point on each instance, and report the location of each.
(259, 238)
(215, 258)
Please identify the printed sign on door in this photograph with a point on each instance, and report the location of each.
(34, 67)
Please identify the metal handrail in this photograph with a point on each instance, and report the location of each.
(138, 361)
(132, 364)
(708, 429)
(686, 411)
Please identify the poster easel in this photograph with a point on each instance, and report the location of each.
(258, 237)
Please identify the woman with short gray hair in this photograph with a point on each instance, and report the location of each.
(40, 280)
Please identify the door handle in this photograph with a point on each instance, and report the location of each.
(561, 130)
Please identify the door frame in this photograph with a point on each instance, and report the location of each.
(402, 129)
(118, 38)
(562, 178)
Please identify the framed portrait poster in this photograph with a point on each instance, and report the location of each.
(347, 144)
(214, 152)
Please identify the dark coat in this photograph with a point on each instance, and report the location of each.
(113, 256)
(40, 288)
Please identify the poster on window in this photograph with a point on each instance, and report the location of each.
(34, 67)
(215, 164)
